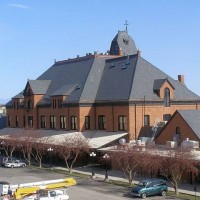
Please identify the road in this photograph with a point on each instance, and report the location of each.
(86, 189)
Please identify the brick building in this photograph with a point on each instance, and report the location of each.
(184, 124)
(116, 92)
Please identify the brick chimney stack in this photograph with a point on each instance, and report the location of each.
(120, 52)
(181, 78)
(139, 53)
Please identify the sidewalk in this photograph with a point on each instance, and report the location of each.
(185, 188)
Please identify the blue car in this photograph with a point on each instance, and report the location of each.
(150, 187)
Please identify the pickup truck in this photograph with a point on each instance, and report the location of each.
(44, 194)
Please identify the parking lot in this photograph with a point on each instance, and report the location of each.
(86, 189)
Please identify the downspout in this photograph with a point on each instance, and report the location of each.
(113, 118)
(135, 121)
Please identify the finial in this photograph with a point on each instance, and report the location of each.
(126, 24)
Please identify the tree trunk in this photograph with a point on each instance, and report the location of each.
(176, 190)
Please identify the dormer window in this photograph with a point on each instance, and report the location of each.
(166, 97)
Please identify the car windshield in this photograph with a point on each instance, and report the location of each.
(142, 184)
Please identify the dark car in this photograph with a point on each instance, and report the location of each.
(150, 187)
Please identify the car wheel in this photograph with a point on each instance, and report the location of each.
(144, 196)
(23, 165)
(163, 193)
(12, 166)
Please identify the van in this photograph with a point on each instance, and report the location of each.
(150, 187)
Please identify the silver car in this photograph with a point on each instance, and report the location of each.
(16, 163)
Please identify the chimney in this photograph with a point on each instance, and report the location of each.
(181, 78)
(139, 53)
(120, 52)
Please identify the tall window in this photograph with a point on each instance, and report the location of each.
(17, 105)
(167, 97)
(24, 120)
(16, 121)
(8, 118)
(73, 123)
(102, 122)
(87, 122)
(30, 121)
(30, 104)
(146, 120)
(43, 121)
(59, 103)
(122, 123)
(178, 131)
(63, 122)
(54, 103)
(52, 122)
(14, 105)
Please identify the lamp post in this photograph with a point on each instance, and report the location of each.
(93, 155)
(50, 150)
(106, 157)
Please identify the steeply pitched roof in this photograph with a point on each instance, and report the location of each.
(192, 118)
(124, 42)
(65, 90)
(39, 86)
(143, 83)
(159, 82)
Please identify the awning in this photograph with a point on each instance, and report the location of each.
(95, 139)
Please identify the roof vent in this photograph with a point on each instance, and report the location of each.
(127, 62)
(112, 65)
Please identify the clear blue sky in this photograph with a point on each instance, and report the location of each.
(35, 32)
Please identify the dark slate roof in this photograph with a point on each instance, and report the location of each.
(192, 118)
(85, 73)
(39, 86)
(117, 78)
(143, 83)
(65, 90)
(124, 42)
(19, 96)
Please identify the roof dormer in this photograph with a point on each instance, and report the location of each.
(161, 86)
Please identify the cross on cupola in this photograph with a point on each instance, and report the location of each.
(126, 24)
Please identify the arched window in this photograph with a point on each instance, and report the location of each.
(167, 97)
(30, 104)
(178, 131)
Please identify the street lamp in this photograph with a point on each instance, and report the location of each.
(50, 150)
(93, 155)
(106, 158)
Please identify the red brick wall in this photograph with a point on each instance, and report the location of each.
(170, 129)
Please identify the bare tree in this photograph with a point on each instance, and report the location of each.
(129, 159)
(9, 145)
(173, 163)
(27, 139)
(70, 148)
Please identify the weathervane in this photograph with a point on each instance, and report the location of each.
(126, 24)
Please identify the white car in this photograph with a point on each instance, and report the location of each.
(16, 163)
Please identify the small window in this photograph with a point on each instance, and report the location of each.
(87, 122)
(166, 117)
(178, 131)
(146, 120)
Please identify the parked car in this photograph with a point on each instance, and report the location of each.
(13, 164)
(150, 187)
(4, 160)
